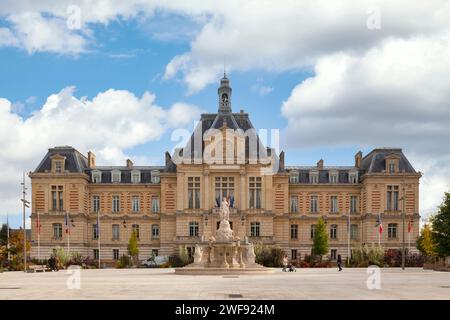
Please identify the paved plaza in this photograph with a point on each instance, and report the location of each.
(412, 283)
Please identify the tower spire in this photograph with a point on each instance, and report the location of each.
(224, 93)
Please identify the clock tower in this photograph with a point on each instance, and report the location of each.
(224, 92)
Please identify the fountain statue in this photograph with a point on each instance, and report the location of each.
(223, 253)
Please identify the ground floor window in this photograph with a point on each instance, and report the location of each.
(193, 229)
(333, 255)
(116, 254)
(254, 229)
(294, 254)
(155, 252)
(392, 230)
(95, 251)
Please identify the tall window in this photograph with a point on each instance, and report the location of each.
(115, 254)
(391, 167)
(314, 204)
(57, 230)
(294, 254)
(135, 203)
(155, 204)
(354, 232)
(294, 231)
(353, 177)
(58, 166)
(115, 176)
(334, 204)
(194, 192)
(135, 228)
(224, 187)
(155, 231)
(115, 232)
(115, 204)
(95, 252)
(155, 252)
(392, 230)
(155, 176)
(96, 176)
(333, 254)
(392, 198)
(294, 204)
(313, 231)
(353, 204)
(333, 231)
(293, 178)
(255, 184)
(94, 232)
(255, 229)
(193, 229)
(135, 176)
(314, 177)
(95, 203)
(57, 198)
(333, 177)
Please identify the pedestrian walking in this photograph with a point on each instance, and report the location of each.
(285, 263)
(339, 262)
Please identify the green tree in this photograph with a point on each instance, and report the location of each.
(425, 242)
(320, 244)
(133, 246)
(441, 228)
(3, 234)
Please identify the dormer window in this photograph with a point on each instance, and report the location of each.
(293, 178)
(353, 177)
(135, 176)
(115, 176)
(314, 177)
(392, 162)
(333, 177)
(58, 163)
(96, 176)
(155, 176)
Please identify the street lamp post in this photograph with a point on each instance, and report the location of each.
(403, 226)
(26, 204)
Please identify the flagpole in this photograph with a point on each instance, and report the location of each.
(38, 236)
(7, 236)
(348, 238)
(98, 235)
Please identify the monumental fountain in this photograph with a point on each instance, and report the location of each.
(224, 253)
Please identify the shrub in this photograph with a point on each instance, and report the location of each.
(269, 256)
(364, 256)
(124, 262)
(62, 256)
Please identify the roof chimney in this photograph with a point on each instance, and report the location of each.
(91, 160)
(358, 159)
(281, 161)
(320, 164)
(129, 164)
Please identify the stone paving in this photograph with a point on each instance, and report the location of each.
(412, 283)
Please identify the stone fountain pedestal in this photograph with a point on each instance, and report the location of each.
(224, 254)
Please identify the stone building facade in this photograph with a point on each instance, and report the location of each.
(177, 204)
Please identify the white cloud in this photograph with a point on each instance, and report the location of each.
(35, 33)
(395, 94)
(111, 123)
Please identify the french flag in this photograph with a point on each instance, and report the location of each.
(379, 224)
(67, 224)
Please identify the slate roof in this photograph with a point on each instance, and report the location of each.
(75, 161)
(375, 161)
(146, 173)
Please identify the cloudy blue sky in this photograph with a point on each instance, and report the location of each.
(118, 77)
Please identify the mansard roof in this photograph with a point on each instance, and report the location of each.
(74, 162)
(125, 173)
(303, 173)
(375, 161)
